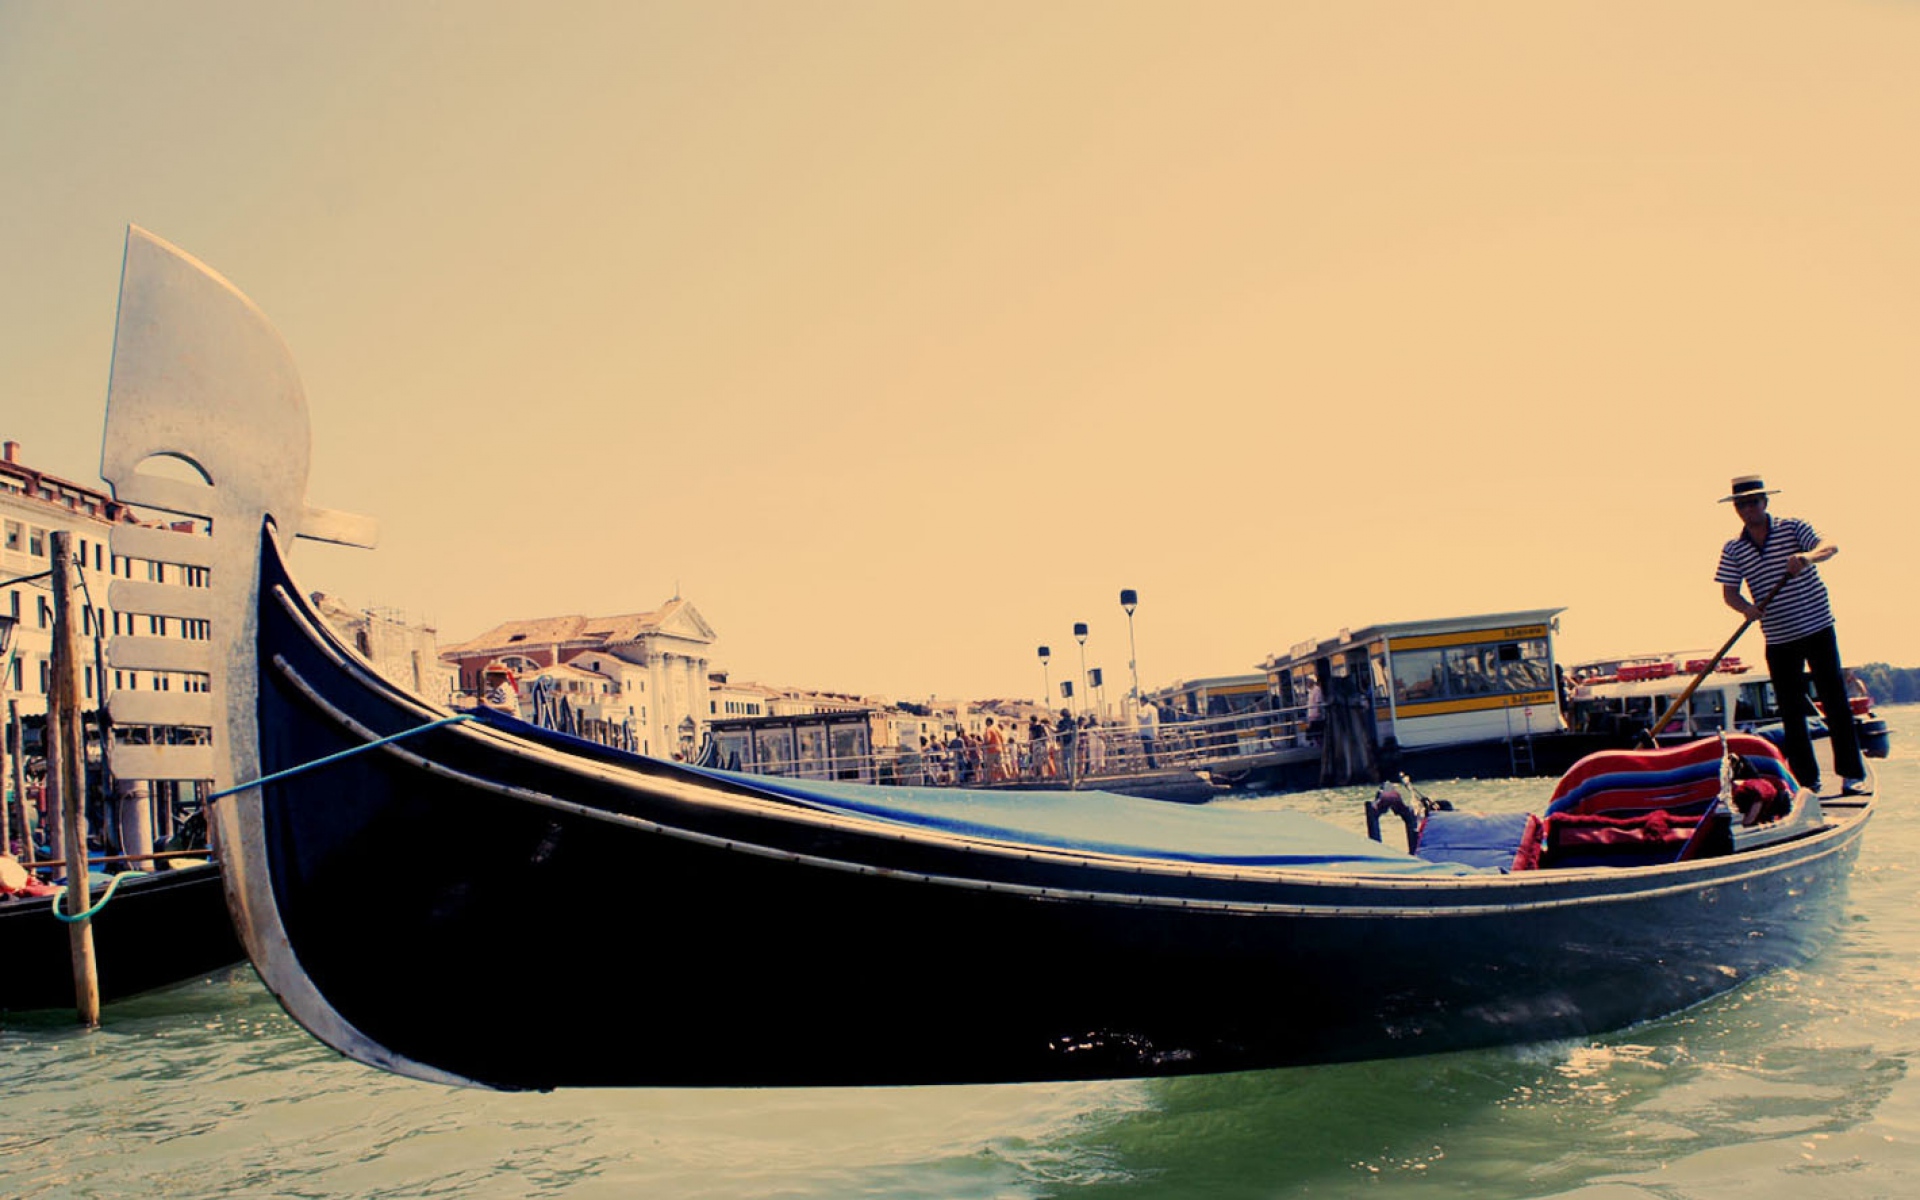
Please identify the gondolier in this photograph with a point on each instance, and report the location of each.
(1798, 624)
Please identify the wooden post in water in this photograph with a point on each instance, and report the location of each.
(28, 816)
(52, 742)
(67, 763)
(6, 780)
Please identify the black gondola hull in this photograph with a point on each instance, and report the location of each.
(509, 917)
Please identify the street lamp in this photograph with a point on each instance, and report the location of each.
(1080, 635)
(1129, 600)
(1046, 686)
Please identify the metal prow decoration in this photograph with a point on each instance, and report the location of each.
(201, 376)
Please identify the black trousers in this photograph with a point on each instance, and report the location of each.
(1819, 654)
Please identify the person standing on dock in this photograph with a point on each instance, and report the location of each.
(1040, 748)
(994, 751)
(1780, 552)
(1066, 732)
(1146, 719)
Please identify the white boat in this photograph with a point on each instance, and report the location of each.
(1625, 696)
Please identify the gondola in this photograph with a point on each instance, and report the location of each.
(469, 903)
(157, 929)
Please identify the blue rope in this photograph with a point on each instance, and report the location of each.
(277, 776)
(76, 918)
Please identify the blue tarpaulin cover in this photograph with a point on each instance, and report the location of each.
(1092, 821)
(1106, 823)
(1477, 839)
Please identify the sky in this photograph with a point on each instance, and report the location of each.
(898, 337)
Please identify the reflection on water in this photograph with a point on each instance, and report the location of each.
(1796, 1085)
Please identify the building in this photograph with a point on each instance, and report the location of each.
(33, 505)
(655, 666)
(405, 653)
(729, 701)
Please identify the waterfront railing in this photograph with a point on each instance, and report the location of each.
(1086, 753)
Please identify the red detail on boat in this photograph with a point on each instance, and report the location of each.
(1621, 762)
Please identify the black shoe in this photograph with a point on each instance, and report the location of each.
(1855, 787)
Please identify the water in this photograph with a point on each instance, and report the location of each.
(1798, 1085)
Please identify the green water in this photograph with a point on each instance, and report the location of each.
(1797, 1085)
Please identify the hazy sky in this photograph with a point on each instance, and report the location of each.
(899, 335)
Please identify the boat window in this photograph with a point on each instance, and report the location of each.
(1482, 669)
(813, 752)
(735, 750)
(773, 750)
(1524, 666)
(1417, 675)
(849, 752)
(1709, 711)
(1756, 702)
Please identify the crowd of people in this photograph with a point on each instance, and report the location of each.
(1040, 749)
(1076, 746)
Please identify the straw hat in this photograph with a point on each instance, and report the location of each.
(1747, 486)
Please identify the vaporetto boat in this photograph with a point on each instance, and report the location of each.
(1626, 695)
(471, 903)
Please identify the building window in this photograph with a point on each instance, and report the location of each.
(36, 541)
(15, 532)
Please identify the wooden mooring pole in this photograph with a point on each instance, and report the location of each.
(28, 816)
(67, 767)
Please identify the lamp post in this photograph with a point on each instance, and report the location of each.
(1046, 685)
(1080, 635)
(1129, 600)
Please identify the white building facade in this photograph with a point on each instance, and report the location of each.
(33, 505)
(656, 663)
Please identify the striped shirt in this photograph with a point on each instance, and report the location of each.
(1801, 607)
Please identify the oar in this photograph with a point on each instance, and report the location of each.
(1653, 735)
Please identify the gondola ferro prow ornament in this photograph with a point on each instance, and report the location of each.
(200, 375)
